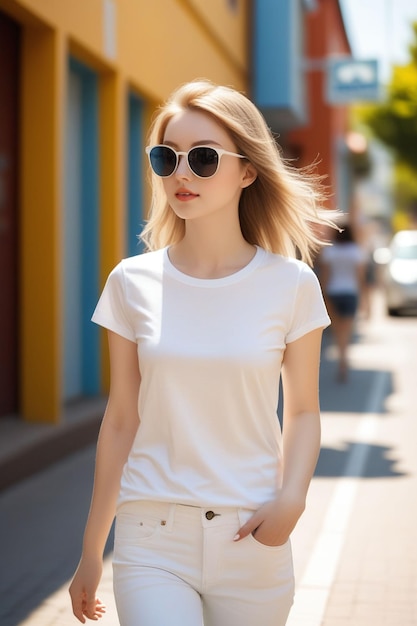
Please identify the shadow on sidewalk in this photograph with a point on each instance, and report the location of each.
(365, 391)
(379, 462)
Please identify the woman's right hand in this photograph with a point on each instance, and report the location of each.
(83, 590)
(117, 433)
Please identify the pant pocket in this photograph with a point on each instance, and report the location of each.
(264, 546)
(136, 524)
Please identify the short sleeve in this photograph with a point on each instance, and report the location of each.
(309, 310)
(111, 311)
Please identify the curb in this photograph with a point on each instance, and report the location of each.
(25, 455)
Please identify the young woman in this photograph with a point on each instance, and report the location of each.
(190, 456)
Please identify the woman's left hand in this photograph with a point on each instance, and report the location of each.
(274, 521)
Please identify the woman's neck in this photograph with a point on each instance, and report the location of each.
(206, 254)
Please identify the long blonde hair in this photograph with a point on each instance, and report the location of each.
(280, 211)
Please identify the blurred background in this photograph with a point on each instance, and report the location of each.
(79, 82)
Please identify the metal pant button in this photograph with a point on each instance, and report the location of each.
(211, 514)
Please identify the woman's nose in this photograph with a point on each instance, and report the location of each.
(183, 171)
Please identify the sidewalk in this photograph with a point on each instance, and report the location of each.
(56, 609)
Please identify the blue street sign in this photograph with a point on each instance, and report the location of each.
(352, 80)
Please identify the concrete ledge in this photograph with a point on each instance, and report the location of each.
(27, 448)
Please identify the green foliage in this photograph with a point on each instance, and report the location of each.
(394, 121)
(406, 186)
(405, 192)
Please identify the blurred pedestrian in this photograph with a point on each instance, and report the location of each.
(190, 455)
(342, 271)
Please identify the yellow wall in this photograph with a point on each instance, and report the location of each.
(41, 197)
(158, 44)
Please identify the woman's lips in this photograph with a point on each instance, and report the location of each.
(185, 195)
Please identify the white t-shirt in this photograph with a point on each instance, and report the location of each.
(210, 353)
(343, 260)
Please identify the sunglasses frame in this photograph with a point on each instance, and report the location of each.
(219, 151)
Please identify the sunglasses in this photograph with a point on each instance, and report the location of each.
(203, 161)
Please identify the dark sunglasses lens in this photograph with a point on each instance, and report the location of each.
(203, 161)
(163, 160)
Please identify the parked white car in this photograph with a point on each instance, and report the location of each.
(399, 272)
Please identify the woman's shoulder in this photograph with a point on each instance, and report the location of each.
(286, 266)
(132, 269)
(139, 262)
(281, 261)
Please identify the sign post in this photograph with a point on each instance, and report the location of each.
(352, 80)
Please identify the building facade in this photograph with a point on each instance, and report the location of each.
(79, 82)
(321, 138)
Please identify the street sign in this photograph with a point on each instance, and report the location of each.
(352, 80)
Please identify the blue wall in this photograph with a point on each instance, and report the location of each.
(89, 232)
(278, 61)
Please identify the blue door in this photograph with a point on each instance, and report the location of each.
(80, 235)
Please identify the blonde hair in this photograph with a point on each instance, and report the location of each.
(280, 211)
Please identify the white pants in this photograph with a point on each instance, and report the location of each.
(178, 565)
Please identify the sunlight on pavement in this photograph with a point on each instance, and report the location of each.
(56, 610)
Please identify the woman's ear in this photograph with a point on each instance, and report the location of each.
(249, 175)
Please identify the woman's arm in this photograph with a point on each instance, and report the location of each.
(301, 423)
(117, 433)
(275, 520)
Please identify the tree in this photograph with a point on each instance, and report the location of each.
(394, 121)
